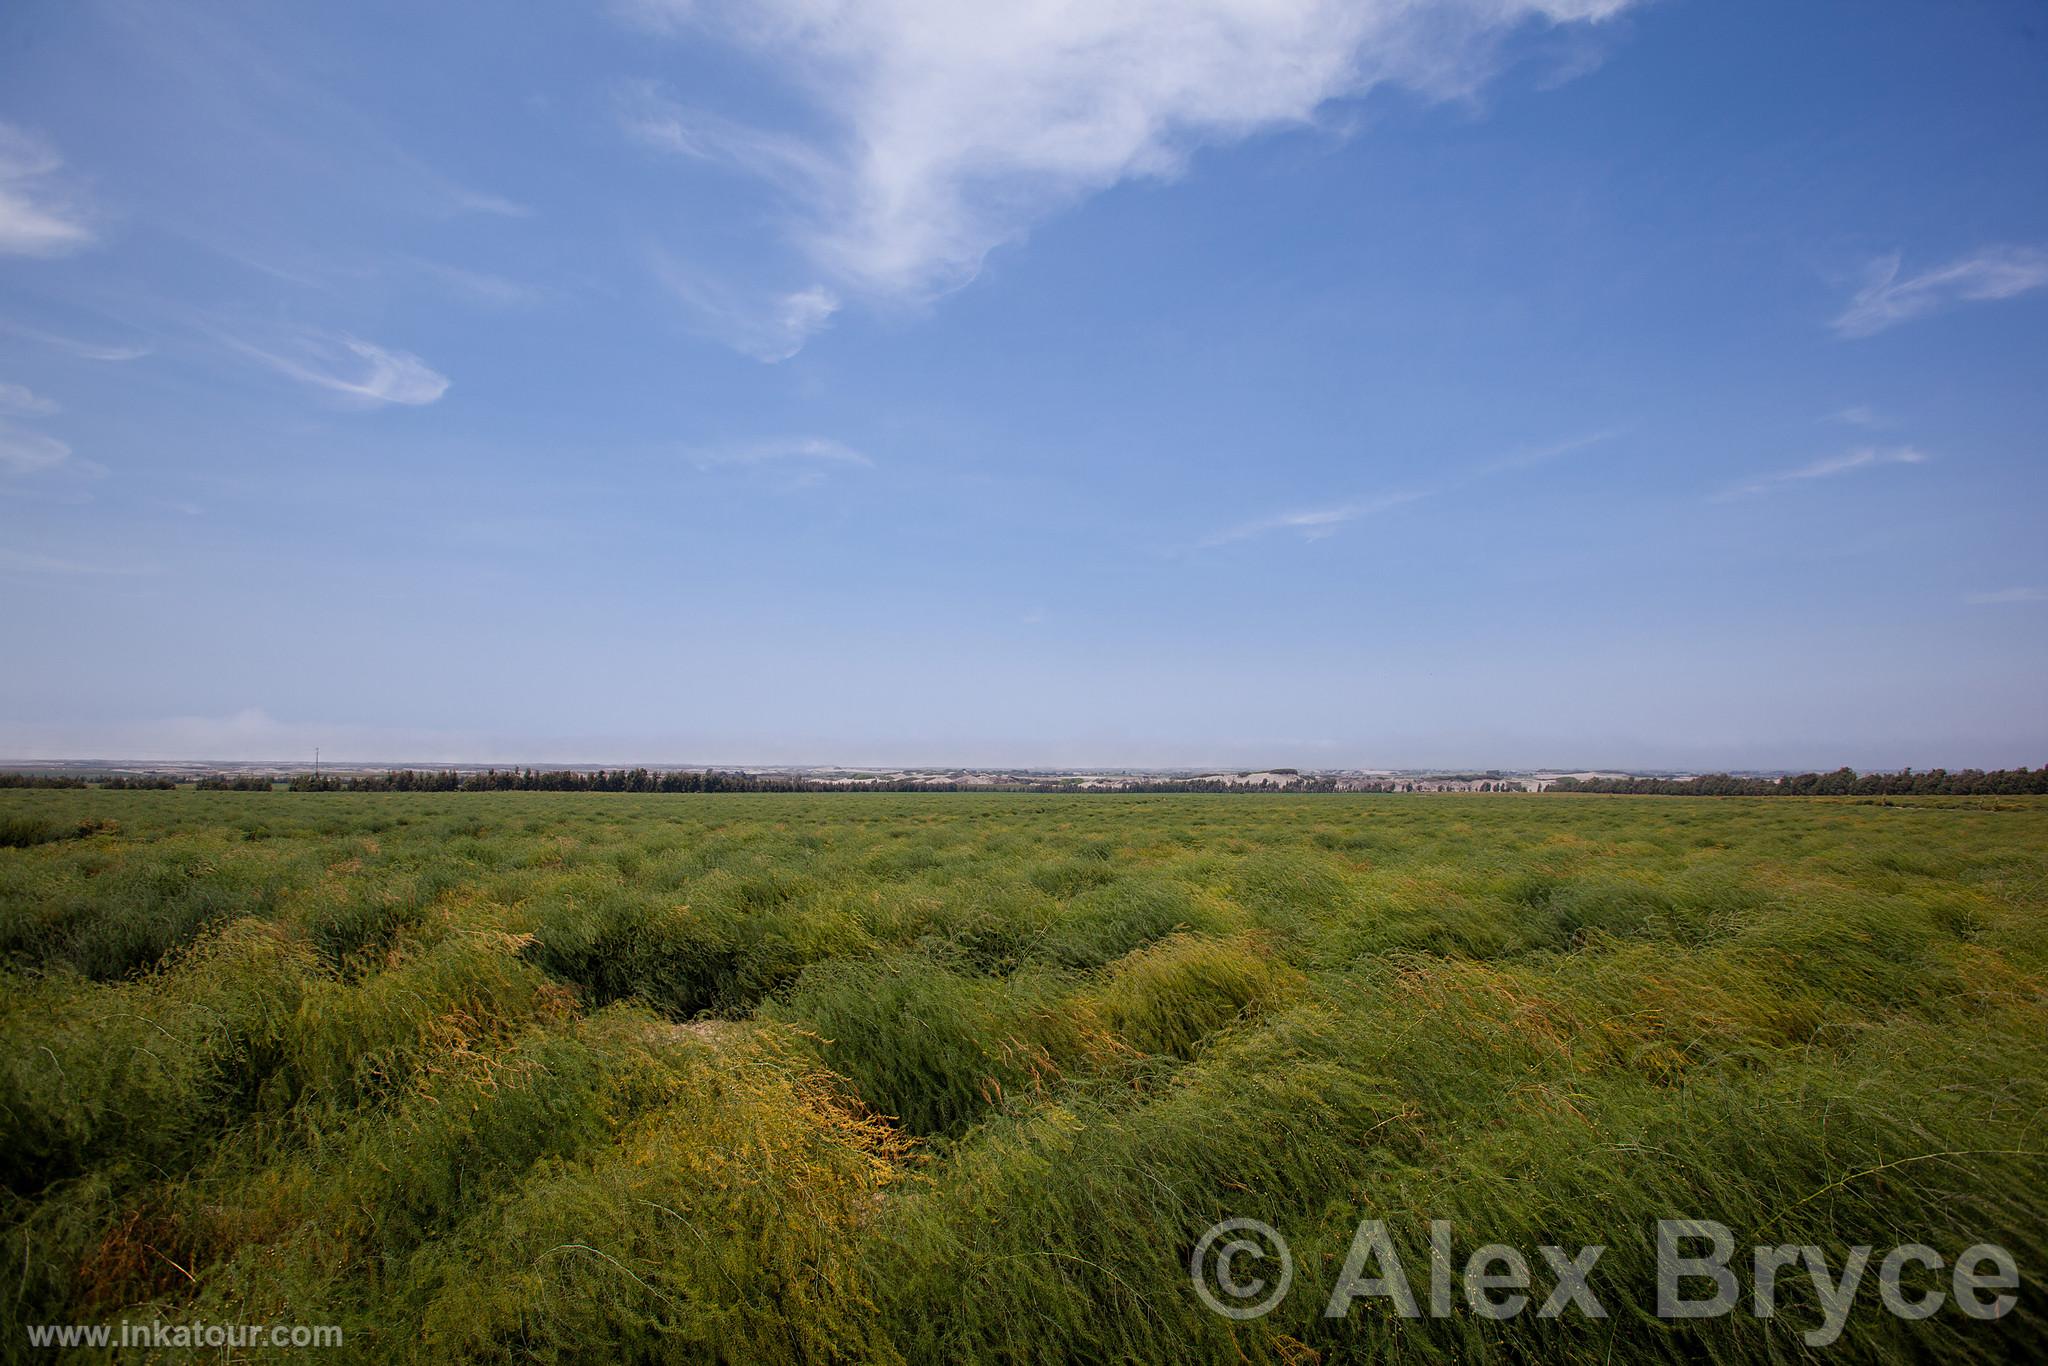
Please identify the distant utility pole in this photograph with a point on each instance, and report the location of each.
(316, 761)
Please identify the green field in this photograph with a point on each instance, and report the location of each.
(960, 1078)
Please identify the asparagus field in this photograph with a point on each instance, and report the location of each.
(953, 1077)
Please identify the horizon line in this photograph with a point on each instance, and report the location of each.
(8, 764)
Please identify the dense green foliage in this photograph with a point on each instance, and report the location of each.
(760, 1078)
(1843, 782)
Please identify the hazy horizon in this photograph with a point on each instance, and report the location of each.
(1156, 757)
(1488, 384)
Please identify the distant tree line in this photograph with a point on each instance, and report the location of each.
(713, 780)
(39, 780)
(574, 780)
(1843, 782)
(645, 780)
(114, 781)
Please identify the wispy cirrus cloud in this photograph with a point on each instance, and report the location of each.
(1869, 457)
(948, 130)
(1888, 298)
(1310, 524)
(2003, 596)
(26, 452)
(477, 286)
(791, 463)
(793, 450)
(1860, 415)
(361, 372)
(84, 350)
(462, 199)
(769, 330)
(19, 398)
(37, 216)
(1531, 456)
(1313, 524)
(649, 115)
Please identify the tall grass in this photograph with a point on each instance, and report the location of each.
(956, 1077)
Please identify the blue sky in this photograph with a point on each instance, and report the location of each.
(1506, 382)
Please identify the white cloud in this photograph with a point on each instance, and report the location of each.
(83, 350)
(24, 452)
(1860, 415)
(2008, 595)
(1533, 456)
(356, 369)
(1990, 273)
(1311, 524)
(802, 312)
(649, 116)
(950, 129)
(465, 200)
(1867, 458)
(36, 219)
(770, 334)
(19, 398)
(479, 286)
(1316, 523)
